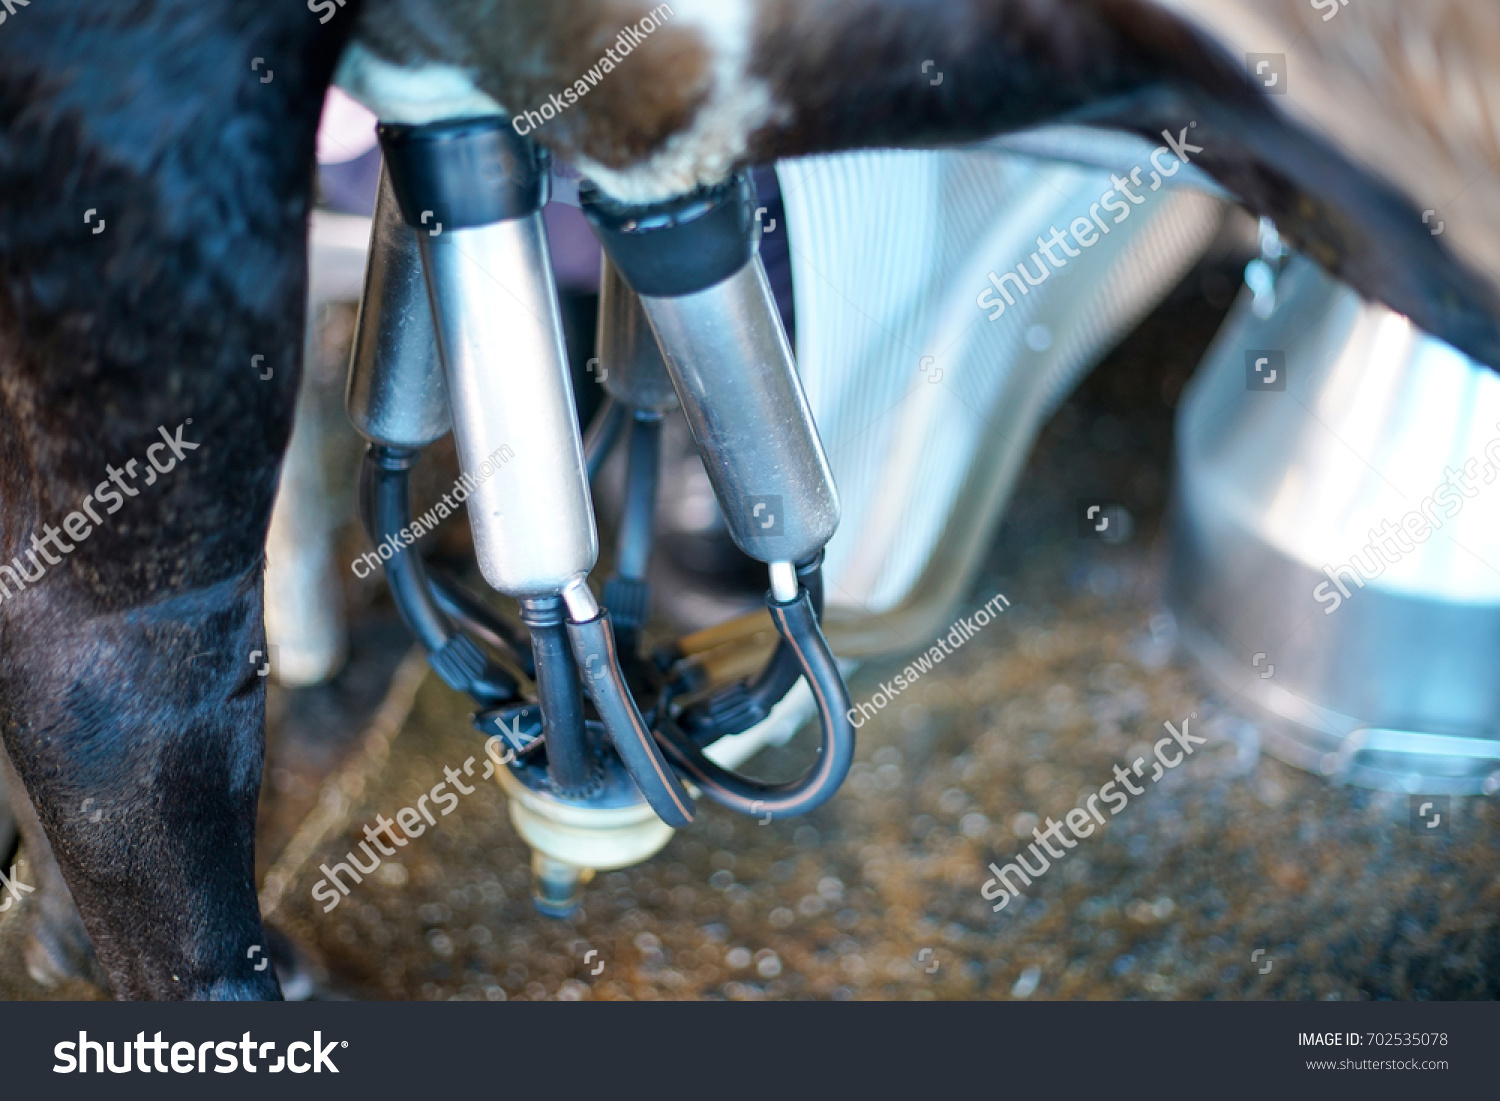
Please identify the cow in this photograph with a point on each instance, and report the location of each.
(156, 177)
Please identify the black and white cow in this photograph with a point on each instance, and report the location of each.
(156, 172)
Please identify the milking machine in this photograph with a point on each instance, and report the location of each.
(460, 326)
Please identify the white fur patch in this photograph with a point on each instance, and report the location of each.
(737, 105)
(416, 96)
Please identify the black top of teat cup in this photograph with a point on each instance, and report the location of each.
(462, 173)
(682, 245)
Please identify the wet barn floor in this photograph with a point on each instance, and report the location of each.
(877, 895)
(1235, 876)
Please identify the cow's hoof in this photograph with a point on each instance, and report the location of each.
(51, 962)
(44, 956)
(302, 975)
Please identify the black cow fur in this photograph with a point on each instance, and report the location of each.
(128, 702)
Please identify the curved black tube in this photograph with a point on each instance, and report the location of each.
(569, 764)
(798, 626)
(633, 553)
(627, 594)
(390, 502)
(448, 594)
(737, 707)
(471, 613)
(384, 491)
(594, 650)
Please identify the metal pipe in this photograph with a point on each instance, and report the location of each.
(783, 582)
(395, 394)
(729, 359)
(693, 261)
(630, 362)
(473, 191)
(500, 336)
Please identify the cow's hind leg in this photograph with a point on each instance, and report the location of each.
(155, 179)
(52, 946)
(138, 733)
